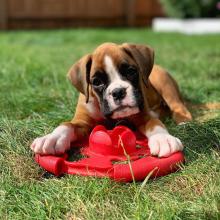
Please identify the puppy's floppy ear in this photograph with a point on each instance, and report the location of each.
(142, 55)
(79, 75)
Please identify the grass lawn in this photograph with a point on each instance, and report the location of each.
(35, 96)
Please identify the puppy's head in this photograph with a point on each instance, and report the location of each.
(114, 75)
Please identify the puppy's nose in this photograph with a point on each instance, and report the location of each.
(119, 93)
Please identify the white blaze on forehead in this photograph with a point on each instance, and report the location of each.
(110, 69)
(117, 82)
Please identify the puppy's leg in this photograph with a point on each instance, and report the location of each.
(168, 89)
(160, 142)
(59, 141)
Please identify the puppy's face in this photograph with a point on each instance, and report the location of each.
(114, 78)
(113, 75)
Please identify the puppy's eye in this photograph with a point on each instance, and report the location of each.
(97, 82)
(131, 71)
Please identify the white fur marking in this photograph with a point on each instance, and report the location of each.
(93, 109)
(161, 143)
(56, 142)
(125, 112)
(156, 130)
(117, 82)
(154, 114)
(182, 123)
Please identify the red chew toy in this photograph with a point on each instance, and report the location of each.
(119, 154)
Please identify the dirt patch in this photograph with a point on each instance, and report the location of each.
(190, 187)
(204, 112)
(205, 115)
(23, 168)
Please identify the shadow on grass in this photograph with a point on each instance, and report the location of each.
(199, 138)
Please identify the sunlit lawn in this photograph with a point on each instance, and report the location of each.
(35, 97)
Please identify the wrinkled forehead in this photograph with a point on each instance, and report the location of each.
(109, 52)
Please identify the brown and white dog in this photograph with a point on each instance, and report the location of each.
(118, 84)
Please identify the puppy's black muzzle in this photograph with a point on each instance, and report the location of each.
(118, 94)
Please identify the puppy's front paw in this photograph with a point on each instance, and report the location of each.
(54, 143)
(164, 145)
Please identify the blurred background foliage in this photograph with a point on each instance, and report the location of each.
(192, 8)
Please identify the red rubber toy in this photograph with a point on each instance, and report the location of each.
(119, 154)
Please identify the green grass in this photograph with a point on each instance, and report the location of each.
(35, 97)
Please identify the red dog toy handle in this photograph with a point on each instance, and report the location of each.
(51, 163)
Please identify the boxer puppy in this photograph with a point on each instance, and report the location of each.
(120, 82)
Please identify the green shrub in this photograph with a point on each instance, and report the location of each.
(192, 8)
